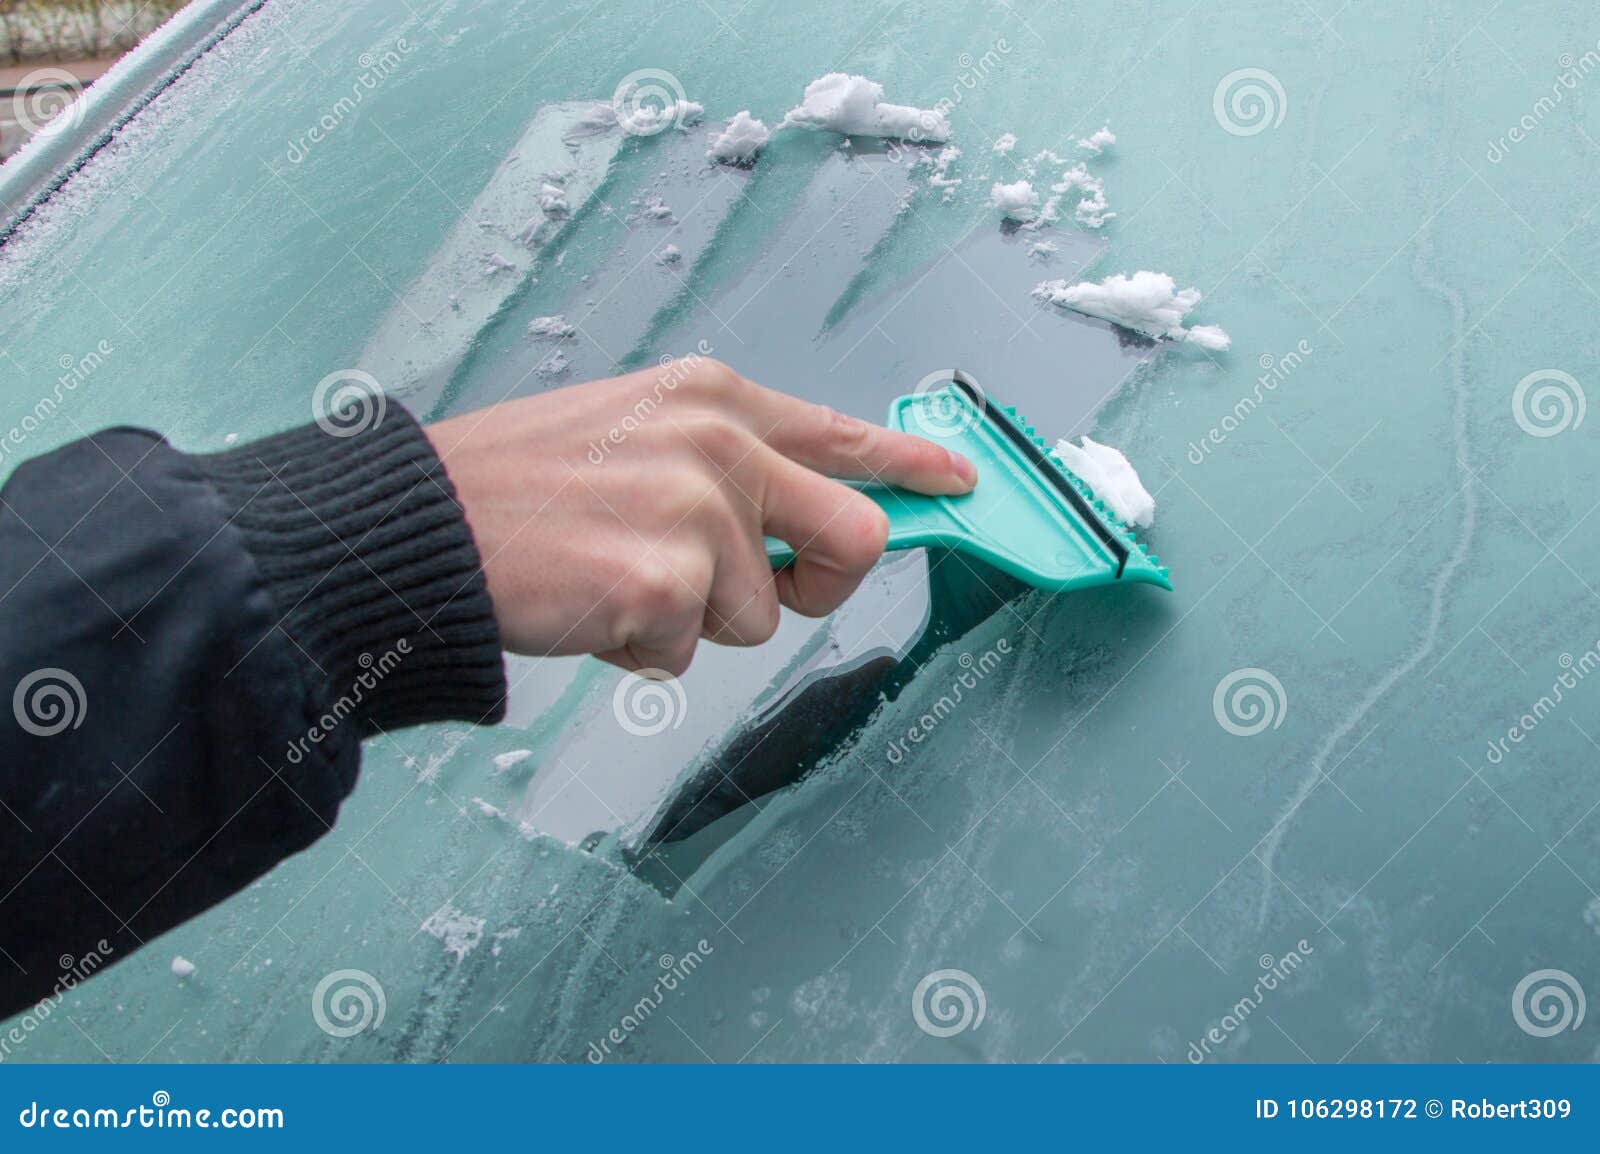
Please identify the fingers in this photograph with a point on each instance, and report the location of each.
(659, 621)
(742, 608)
(839, 445)
(775, 458)
(637, 658)
(837, 534)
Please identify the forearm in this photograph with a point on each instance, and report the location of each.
(220, 631)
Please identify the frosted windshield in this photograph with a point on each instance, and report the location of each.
(1073, 827)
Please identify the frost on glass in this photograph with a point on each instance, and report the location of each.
(950, 774)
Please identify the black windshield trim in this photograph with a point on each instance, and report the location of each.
(109, 133)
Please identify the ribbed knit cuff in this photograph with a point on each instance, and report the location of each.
(372, 567)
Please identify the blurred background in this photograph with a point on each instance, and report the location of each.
(50, 50)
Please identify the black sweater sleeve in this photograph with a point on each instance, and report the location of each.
(191, 649)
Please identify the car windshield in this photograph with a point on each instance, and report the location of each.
(1328, 799)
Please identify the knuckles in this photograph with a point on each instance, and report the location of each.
(675, 662)
(719, 439)
(763, 616)
(716, 382)
(752, 623)
(850, 434)
(655, 593)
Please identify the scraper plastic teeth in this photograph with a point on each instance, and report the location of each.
(1066, 475)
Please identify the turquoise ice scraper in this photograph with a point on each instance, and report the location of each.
(1029, 515)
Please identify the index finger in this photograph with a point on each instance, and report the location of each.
(849, 448)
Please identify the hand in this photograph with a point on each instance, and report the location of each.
(624, 517)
